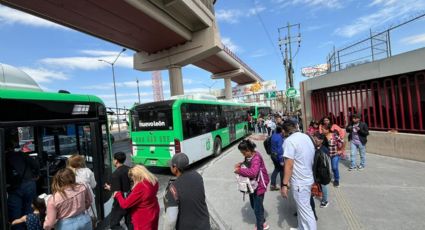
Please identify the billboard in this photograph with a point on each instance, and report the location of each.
(258, 87)
(315, 71)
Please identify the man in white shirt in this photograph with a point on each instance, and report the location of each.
(298, 151)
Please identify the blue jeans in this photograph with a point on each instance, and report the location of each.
(256, 202)
(78, 222)
(354, 149)
(335, 167)
(19, 202)
(324, 193)
(278, 169)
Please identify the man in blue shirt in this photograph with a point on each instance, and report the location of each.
(277, 157)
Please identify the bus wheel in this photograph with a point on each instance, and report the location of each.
(217, 146)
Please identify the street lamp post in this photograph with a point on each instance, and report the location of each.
(115, 88)
(210, 86)
(138, 91)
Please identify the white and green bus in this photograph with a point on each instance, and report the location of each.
(194, 125)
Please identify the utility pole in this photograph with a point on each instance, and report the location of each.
(138, 90)
(287, 62)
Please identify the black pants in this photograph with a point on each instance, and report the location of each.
(117, 213)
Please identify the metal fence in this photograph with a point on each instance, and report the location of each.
(117, 118)
(375, 47)
(391, 103)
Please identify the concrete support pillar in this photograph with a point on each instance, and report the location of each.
(176, 80)
(228, 88)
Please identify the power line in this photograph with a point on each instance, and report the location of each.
(267, 32)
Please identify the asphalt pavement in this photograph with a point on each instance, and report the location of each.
(388, 194)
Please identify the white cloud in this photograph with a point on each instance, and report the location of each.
(126, 84)
(230, 44)
(197, 90)
(229, 16)
(122, 95)
(10, 16)
(233, 16)
(92, 62)
(416, 39)
(330, 4)
(42, 75)
(256, 10)
(388, 11)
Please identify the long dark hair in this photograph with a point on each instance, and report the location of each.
(247, 145)
(40, 205)
(323, 120)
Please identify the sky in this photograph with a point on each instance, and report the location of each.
(62, 58)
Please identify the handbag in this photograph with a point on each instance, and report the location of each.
(90, 210)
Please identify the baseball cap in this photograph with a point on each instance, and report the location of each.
(180, 160)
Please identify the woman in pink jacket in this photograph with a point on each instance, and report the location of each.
(254, 168)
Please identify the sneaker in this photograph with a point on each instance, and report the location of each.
(324, 204)
(351, 168)
(265, 226)
(336, 184)
(361, 167)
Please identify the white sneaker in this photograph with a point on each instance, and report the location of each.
(293, 229)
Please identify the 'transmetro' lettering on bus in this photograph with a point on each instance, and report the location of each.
(152, 124)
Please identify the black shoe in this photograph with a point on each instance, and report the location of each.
(336, 184)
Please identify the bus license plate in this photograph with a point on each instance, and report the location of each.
(152, 162)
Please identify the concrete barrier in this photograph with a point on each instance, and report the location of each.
(399, 145)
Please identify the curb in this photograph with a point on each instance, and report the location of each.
(217, 223)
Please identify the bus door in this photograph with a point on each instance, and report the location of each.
(3, 196)
(51, 146)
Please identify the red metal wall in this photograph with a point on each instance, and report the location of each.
(391, 103)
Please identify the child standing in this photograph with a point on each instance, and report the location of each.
(35, 220)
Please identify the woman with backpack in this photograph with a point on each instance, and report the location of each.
(333, 142)
(254, 168)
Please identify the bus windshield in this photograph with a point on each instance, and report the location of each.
(153, 118)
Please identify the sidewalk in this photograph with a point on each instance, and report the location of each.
(388, 194)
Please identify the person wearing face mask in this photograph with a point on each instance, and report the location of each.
(254, 168)
(358, 132)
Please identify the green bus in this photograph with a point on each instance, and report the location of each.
(257, 110)
(195, 126)
(49, 127)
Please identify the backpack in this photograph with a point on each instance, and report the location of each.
(321, 168)
(268, 145)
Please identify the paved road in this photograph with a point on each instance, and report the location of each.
(163, 174)
(388, 194)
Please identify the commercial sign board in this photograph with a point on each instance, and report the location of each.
(258, 87)
(315, 71)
